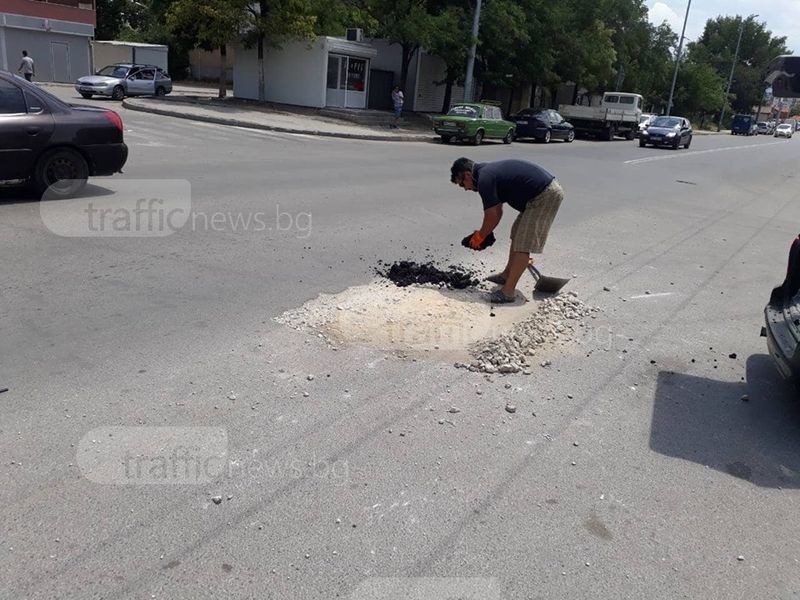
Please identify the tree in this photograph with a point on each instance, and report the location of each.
(408, 23)
(450, 41)
(717, 46)
(209, 24)
(274, 22)
(698, 90)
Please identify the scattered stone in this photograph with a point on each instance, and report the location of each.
(511, 408)
(231, 396)
(216, 499)
(575, 444)
(310, 378)
(569, 396)
(230, 497)
(338, 521)
(732, 355)
(441, 421)
(453, 410)
(745, 398)
(740, 558)
(306, 394)
(573, 463)
(508, 386)
(606, 289)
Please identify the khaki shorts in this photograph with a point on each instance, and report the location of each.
(530, 229)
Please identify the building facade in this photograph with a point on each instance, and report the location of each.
(55, 33)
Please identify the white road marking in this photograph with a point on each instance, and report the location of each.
(661, 295)
(255, 131)
(695, 153)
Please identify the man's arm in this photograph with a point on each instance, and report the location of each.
(491, 218)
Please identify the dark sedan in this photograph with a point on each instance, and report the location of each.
(52, 145)
(782, 316)
(542, 125)
(667, 131)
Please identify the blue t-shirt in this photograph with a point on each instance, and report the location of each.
(514, 182)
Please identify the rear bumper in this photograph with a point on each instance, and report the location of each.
(781, 344)
(107, 159)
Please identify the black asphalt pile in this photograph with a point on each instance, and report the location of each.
(403, 273)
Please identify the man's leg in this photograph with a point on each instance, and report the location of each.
(517, 263)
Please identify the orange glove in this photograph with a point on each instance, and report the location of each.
(476, 240)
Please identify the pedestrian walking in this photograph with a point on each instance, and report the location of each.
(397, 104)
(524, 186)
(27, 68)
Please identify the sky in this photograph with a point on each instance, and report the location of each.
(782, 17)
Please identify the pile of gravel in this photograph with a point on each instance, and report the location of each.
(557, 320)
(404, 273)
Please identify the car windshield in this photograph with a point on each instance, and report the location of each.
(666, 122)
(113, 71)
(784, 126)
(463, 111)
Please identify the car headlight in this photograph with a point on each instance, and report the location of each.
(671, 134)
(645, 132)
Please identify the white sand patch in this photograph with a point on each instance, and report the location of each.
(443, 324)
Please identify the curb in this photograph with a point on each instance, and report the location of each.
(250, 125)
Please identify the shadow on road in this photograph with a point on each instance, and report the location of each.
(708, 422)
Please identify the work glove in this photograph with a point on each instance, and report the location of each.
(476, 241)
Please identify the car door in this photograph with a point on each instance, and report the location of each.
(498, 124)
(142, 82)
(559, 130)
(26, 126)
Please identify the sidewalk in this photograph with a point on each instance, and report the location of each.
(270, 118)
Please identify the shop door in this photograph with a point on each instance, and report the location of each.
(59, 52)
(347, 81)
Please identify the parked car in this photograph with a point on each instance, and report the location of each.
(784, 130)
(763, 128)
(744, 125)
(125, 79)
(542, 125)
(53, 145)
(667, 131)
(782, 317)
(644, 123)
(474, 122)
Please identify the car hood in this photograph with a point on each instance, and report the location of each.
(97, 79)
(662, 130)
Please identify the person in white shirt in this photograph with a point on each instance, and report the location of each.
(26, 69)
(397, 104)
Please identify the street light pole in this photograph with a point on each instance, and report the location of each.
(733, 68)
(476, 21)
(678, 59)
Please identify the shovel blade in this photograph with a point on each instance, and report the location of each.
(547, 285)
(550, 285)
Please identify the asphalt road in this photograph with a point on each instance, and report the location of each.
(641, 474)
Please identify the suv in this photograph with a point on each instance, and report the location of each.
(744, 125)
(474, 121)
(125, 79)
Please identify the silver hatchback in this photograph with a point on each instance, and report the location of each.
(125, 79)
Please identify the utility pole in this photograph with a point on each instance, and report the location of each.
(733, 68)
(678, 59)
(476, 21)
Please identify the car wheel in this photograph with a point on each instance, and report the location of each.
(630, 134)
(161, 92)
(446, 139)
(118, 93)
(676, 144)
(509, 137)
(570, 136)
(61, 172)
(642, 143)
(87, 95)
(547, 137)
(688, 143)
(476, 141)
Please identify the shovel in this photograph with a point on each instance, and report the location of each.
(548, 285)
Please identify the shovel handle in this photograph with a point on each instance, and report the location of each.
(535, 272)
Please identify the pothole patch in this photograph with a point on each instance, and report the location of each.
(454, 325)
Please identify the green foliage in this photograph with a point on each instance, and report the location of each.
(717, 46)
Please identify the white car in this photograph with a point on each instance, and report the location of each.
(644, 123)
(784, 129)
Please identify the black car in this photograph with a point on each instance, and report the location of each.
(542, 125)
(782, 316)
(667, 131)
(44, 141)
